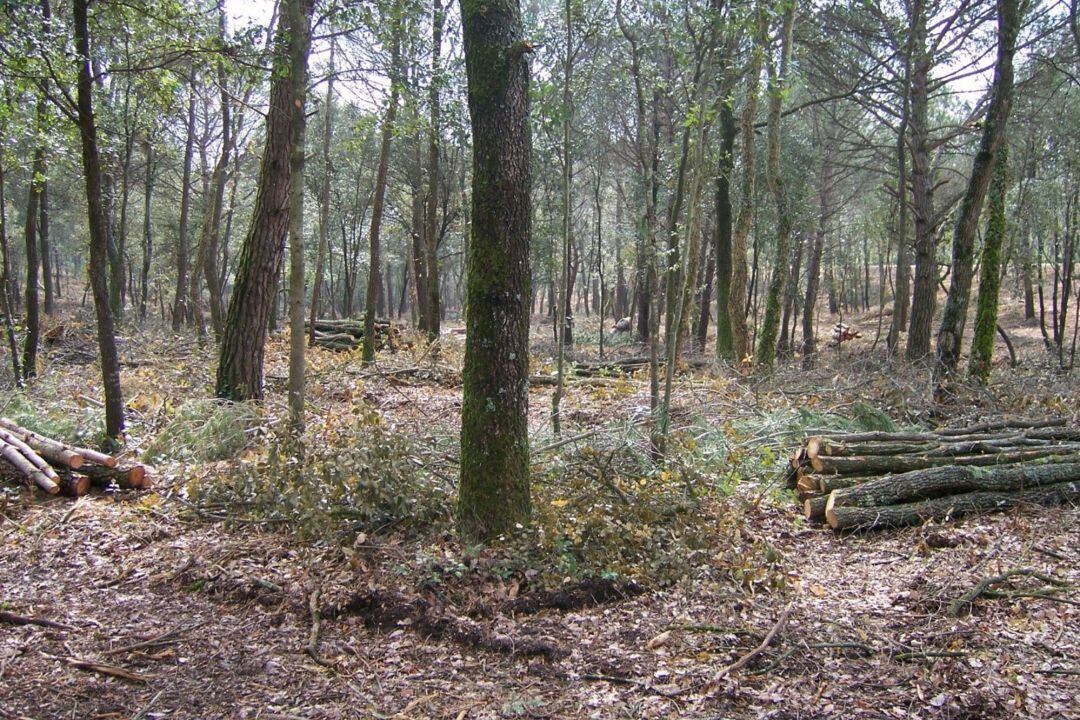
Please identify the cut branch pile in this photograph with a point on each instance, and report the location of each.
(56, 467)
(864, 481)
(349, 334)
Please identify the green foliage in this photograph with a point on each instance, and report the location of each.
(78, 427)
(337, 481)
(607, 511)
(205, 431)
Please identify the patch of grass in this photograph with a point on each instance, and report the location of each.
(205, 431)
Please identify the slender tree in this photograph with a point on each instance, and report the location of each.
(982, 343)
(99, 241)
(374, 263)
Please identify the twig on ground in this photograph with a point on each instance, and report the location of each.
(312, 648)
(165, 637)
(16, 619)
(745, 659)
(983, 586)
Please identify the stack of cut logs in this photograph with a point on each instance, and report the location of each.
(863, 481)
(56, 467)
(349, 334)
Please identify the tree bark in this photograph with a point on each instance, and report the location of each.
(982, 344)
(99, 251)
(950, 506)
(494, 490)
(951, 333)
(324, 197)
(183, 243)
(240, 367)
(740, 336)
(431, 224)
(774, 298)
(374, 278)
(33, 259)
(299, 20)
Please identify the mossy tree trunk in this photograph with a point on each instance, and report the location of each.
(951, 332)
(243, 342)
(982, 344)
(494, 490)
(740, 335)
(770, 325)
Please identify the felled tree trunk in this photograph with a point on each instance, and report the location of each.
(951, 506)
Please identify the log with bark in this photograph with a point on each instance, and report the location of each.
(890, 479)
(56, 467)
(347, 334)
(947, 507)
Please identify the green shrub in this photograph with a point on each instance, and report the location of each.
(338, 481)
(205, 430)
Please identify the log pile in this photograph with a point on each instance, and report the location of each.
(56, 467)
(865, 481)
(345, 335)
(842, 333)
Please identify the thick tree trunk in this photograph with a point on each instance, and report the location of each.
(240, 368)
(494, 489)
(99, 251)
(951, 333)
(924, 297)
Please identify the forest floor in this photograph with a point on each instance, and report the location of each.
(168, 611)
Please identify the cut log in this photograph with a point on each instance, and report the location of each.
(32, 438)
(17, 460)
(132, 477)
(73, 485)
(51, 450)
(953, 479)
(828, 483)
(870, 464)
(28, 453)
(951, 506)
(1003, 424)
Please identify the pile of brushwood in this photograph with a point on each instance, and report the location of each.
(349, 334)
(57, 467)
(865, 481)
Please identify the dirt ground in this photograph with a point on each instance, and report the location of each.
(160, 613)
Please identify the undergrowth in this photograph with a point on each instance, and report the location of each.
(205, 431)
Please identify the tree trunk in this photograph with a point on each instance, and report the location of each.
(99, 251)
(299, 17)
(725, 166)
(431, 225)
(243, 341)
(46, 249)
(148, 238)
(494, 488)
(324, 197)
(982, 344)
(33, 260)
(371, 298)
(5, 291)
(740, 336)
(924, 297)
(183, 249)
(951, 333)
(774, 298)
